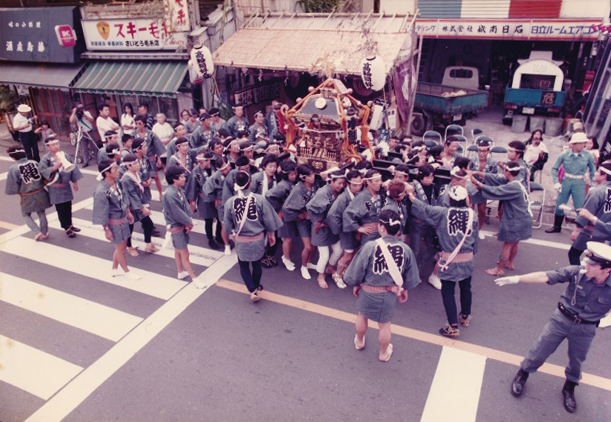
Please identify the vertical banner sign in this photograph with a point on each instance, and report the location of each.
(402, 94)
(177, 12)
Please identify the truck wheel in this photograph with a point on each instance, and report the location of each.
(418, 124)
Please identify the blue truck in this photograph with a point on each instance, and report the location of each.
(536, 88)
(453, 101)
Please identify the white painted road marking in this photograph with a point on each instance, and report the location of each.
(151, 284)
(197, 255)
(33, 370)
(454, 394)
(538, 242)
(73, 394)
(75, 311)
(3, 176)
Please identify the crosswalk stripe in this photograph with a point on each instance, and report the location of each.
(158, 218)
(70, 397)
(5, 158)
(198, 255)
(8, 226)
(3, 176)
(538, 242)
(90, 266)
(33, 370)
(75, 311)
(455, 392)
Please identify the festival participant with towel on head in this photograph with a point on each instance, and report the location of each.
(154, 150)
(24, 178)
(111, 210)
(586, 300)
(59, 179)
(276, 197)
(456, 228)
(329, 247)
(212, 197)
(184, 157)
(362, 213)
(294, 210)
(110, 141)
(261, 183)
(516, 221)
(241, 164)
(252, 221)
(139, 203)
(382, 271)
(594, 216)
(177, 213)
(348, 240)
(239, 122)
(484, 163)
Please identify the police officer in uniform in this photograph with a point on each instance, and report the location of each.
(585, 301)
(576, 162)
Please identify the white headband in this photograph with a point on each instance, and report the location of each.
(100, 176)
(390, 222)
(224, 166)
(374, 176)
(604, 170)
(454, 173)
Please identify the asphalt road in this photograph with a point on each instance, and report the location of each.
(76, 345)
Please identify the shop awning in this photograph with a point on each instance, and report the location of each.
(303, 42)
(152, 78)
(39, 75)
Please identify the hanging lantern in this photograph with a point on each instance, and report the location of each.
(373, 73)
(202, 61)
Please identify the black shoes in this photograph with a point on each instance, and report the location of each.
(155, 232)
(75, 229)
(70, 232)
(568, 395)
(213, 245)
(517, 386)
(557, 227)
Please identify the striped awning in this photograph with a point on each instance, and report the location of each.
(152, 78)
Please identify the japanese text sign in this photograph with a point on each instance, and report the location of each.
(132, 34)
(549, 29)
(178, 14)
(32, 34)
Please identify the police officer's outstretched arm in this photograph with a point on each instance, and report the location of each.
(536, 277)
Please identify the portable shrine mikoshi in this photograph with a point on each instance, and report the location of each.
(323, 126)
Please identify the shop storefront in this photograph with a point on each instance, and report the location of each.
(136, 56)
(40, 60)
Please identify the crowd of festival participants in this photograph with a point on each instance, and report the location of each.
(378, 231)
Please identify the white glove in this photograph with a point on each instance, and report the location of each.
(558, 187)
(514, 279)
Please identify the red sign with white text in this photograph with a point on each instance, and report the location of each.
(65, 35)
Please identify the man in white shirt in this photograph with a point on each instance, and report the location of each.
(23, 125)
(104, 122)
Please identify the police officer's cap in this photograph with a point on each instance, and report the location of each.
(598, 254)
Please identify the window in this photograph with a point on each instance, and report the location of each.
(461, 73)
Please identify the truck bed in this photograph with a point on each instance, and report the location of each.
(434, 97)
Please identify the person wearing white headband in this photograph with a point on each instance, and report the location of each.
(347, 239)
(252, 222)
(449, 153)
(595, 216)
(111, 210)
(177, 214)
(584, 302)
(382, 271)
(576, 162)
(258, 127)
(25, 179)
(484, 163)
(361, 215)
(139, 203)
(328, 244)
(516, 221)
(457, 229)
(60, 191)
(212, 193)
(294, 210)
(238, 122)
(277, 197)
(241, 164)
(261, 183)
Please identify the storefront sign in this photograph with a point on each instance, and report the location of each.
(29, 35)
(550, 29)
(257, 95)
(178, 15)
(132, 34)
(65, 35)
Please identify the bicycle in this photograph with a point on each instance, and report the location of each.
(83, 153)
